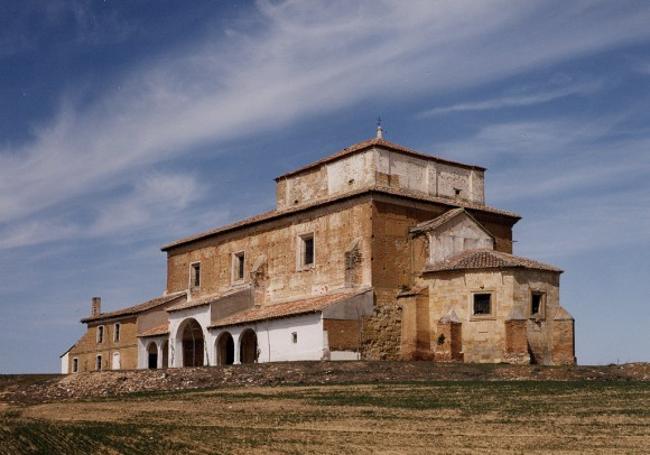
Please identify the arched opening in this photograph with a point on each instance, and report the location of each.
(152, 356)
(225, 349)
(165, 354)
(248, 347)
(192, 338)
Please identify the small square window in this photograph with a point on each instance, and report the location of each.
(98, 364)
(306, 251)
(195, 275)
(100, 334)
(75, 365)
(536, 304)
(116, 332)
(294, 337)
(238, 266)
(482, 304)
(457, 191)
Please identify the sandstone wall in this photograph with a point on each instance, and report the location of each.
(397, 262)
(335, 226)
(87, 348)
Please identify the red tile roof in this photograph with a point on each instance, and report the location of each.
(162, 329)
(274, 214)
(487, 259)
(290, 308)
(136, 309)
(364, 145)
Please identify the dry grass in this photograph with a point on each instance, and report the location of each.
(444, 417)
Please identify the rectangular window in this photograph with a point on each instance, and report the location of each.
(100, 334)
(238, 266)
(116, 332)
(482, 304)
(536, 304)
(306, 250)
(75, 365)
(98, 365)
(294, 337)
(195, 277)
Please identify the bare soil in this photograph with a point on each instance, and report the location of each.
(338, 408)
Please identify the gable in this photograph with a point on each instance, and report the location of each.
(456, 234)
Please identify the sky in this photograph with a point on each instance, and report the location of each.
(126, 125)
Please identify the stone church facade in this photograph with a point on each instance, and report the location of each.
(376, 252)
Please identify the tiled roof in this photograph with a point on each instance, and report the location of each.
(205, 300)
(364, 145)
(273, 214)
(442, 219)
(162, 329)
(132, 310)
(487, 259)
(290, 308)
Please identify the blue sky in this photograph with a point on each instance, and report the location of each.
(124, 125)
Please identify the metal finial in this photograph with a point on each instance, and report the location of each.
(380, 130)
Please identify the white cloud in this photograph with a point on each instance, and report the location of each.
(530, 97)
(301, 59)
(577, 182)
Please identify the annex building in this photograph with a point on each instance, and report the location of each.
(375, 252)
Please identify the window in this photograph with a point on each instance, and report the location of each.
(306, 251)
(294, 337)
(457, 191)
(536, 304)
(482, 304)
(75, 365)
(116, 332)
(100, 334)
(238, 266)
(195, 275)
(98, 363)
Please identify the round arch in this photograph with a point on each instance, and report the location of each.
(248, 346)
(152, 355)
(190, 335)
(225, 349)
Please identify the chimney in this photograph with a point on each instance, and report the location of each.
(96, 306)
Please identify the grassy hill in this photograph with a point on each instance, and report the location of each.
(598, 413)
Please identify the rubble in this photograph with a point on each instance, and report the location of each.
(17, 389)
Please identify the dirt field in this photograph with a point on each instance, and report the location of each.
(466, 416)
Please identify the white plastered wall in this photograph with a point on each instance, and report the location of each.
(143, 353)
(275, 339)
(176, 319)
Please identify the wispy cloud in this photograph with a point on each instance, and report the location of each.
(528, 98)
(153, 202)
(578, 180)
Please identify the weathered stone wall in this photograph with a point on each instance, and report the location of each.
(563, 342)
(483, 336)
(381, 167)
(397, 261)
(87, 348)
(539, 328)
(335, 227)
(457, 235)
(343, 335)
(300, 188)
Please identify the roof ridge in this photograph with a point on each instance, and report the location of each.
(138, 308)
(270, 214)
(365, 144)
(479, 259)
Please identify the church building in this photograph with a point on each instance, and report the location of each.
(377, 252)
